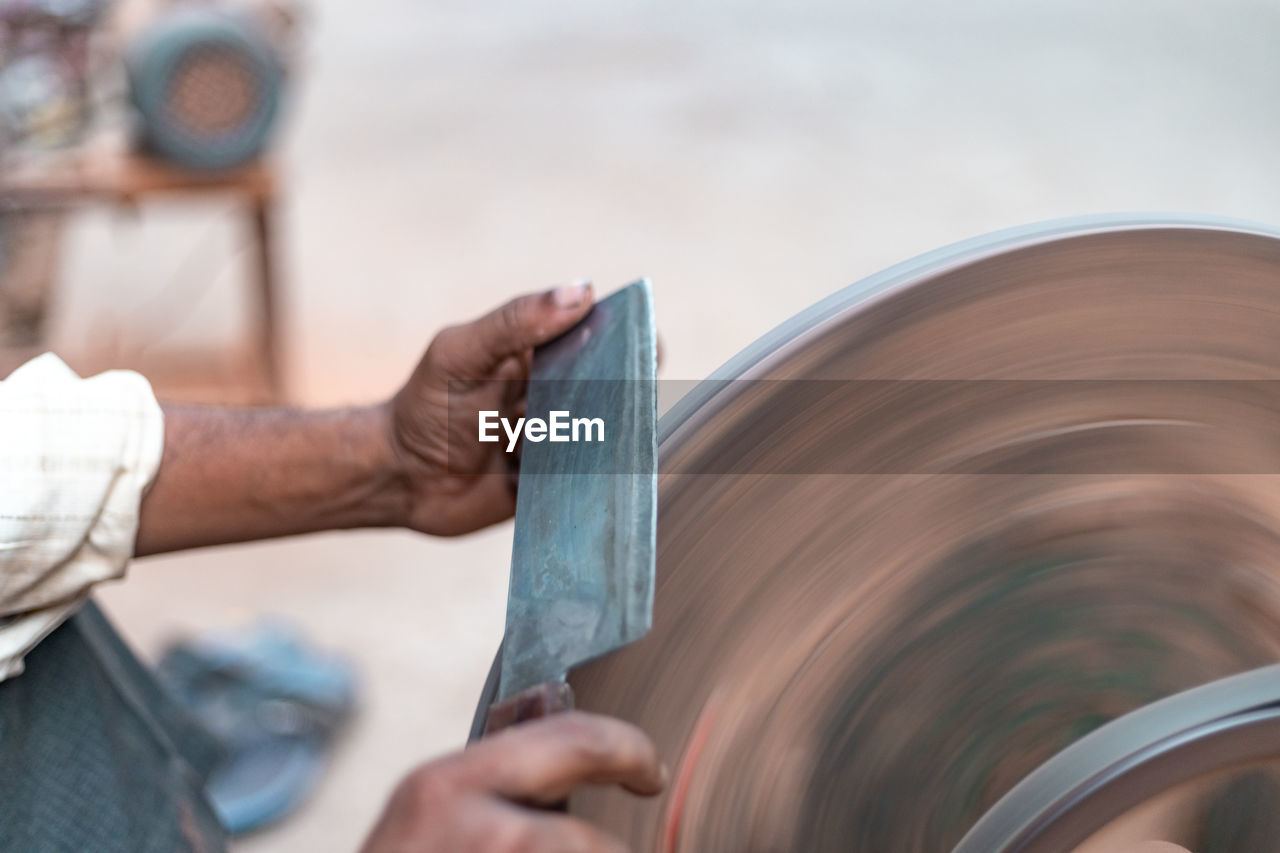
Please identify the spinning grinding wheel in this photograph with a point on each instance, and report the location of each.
(882, 604)
(1164, 751)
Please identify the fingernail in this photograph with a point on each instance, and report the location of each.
(571, 295)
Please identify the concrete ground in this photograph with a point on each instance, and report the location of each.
(750, 157)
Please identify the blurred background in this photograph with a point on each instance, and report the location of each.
(430, 159)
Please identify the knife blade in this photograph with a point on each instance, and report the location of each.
(582, 563)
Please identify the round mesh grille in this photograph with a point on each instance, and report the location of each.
(214, 90)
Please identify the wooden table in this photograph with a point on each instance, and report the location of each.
(120, 177)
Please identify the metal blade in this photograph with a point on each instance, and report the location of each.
(582, 563)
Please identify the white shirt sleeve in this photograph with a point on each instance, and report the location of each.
(76, 456)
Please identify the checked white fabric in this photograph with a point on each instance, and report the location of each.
(76, 456)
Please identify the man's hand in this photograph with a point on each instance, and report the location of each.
(484, 799)
(456, 484)
(234, 475)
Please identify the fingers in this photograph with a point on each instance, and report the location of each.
(522, 324)
(446, 806)
(476, 799)
(512, 376)
(544, 761)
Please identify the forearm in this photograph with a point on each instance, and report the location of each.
(234, 475)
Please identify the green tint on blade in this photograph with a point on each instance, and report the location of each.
(582, 563)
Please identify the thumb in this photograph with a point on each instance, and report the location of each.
(522, 324)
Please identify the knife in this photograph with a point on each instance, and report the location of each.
(582, 560)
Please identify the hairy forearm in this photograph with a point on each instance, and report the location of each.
(234, 475)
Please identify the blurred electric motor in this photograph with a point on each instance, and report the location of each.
(207, 83)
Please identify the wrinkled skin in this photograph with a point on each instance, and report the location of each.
(485, 799)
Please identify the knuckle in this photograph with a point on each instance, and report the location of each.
(450, 334)
(590, 739)
(426, 788)
(516, 836)
(570, 725)
(511, 317)
(445, 342)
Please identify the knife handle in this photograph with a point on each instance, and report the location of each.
(537, 702)
(552, 697)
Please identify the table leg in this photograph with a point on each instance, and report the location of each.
(269, 337)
